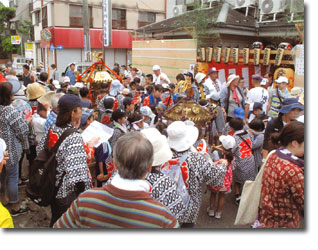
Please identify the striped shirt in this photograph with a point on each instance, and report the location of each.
(111, 207)
(275, 106)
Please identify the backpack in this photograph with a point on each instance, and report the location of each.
(41, 187)
(174, 170)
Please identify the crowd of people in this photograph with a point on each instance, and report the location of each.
(149, 174)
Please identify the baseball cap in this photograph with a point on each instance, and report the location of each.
(73, 90)
(86, 114)
(257, 77)
(257, 105)
(79, 85)
(127, 101)
(282, 79)
(188, 74)
(156, 67)
(66, 79)
(165, 86)
(239, 113)
(69, 102)
(146, 111)
(212, 70)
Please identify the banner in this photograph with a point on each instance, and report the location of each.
(28, 48)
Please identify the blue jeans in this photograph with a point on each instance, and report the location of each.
(9, 180)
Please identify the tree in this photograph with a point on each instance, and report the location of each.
(26, 28)
(6, 48)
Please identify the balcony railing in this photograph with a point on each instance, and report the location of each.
(78, 22)
(119, 24)
(141, 23)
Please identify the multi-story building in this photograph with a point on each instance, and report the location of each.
(64, 19)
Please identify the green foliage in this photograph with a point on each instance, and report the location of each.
(200, 20)
(26, 28)
(6, 44)
(6, 14)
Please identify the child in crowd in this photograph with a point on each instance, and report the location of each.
(167, 95)
(119, 118)
(132, 88)
(244, 164)
(238, 113)
(257, 128)
(257, 110)
(227, 144)
(105, 116)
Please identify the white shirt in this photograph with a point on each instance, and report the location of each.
(130, 185)
(38, 124)
(257, 94)
(208, 84)
(156, 79)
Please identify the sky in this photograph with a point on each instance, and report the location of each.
(5, 2)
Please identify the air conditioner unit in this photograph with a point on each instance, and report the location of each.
(297, 6)
(178, 10)
(244, 3)
(268, 7)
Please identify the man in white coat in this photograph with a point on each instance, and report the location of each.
(212, 84)
(158, 76)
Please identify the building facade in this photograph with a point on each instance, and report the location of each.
(64, 19)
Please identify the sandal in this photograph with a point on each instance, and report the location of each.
(21, 210)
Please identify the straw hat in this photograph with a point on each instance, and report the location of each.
(47, 98)
(162, 152)
(34, 91)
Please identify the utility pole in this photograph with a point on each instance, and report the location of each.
(87, 40)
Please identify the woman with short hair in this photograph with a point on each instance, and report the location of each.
(282, 194)
(14, 131)
(72, 171)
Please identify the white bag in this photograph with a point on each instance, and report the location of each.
(250, 199)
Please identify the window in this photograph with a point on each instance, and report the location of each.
(44, 17)
(76, 15)
(119, 19)
(146, 18)
(37, 17)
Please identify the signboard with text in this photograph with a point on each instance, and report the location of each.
(107, 23)
(15, 40)
(28, 48)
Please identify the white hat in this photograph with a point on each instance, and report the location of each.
(199, 77)
(125, 91)
(146, 111)
(296, 92)
(47, 98)
(156, 67)
(56, 84)
(79, 85)
(264, 82)
(165, 86)
(115, 88)
(282, 79)
(66, 79)
(162, 152)
(231, 78)
(228, 142)
(181, 136)
(3, 148)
